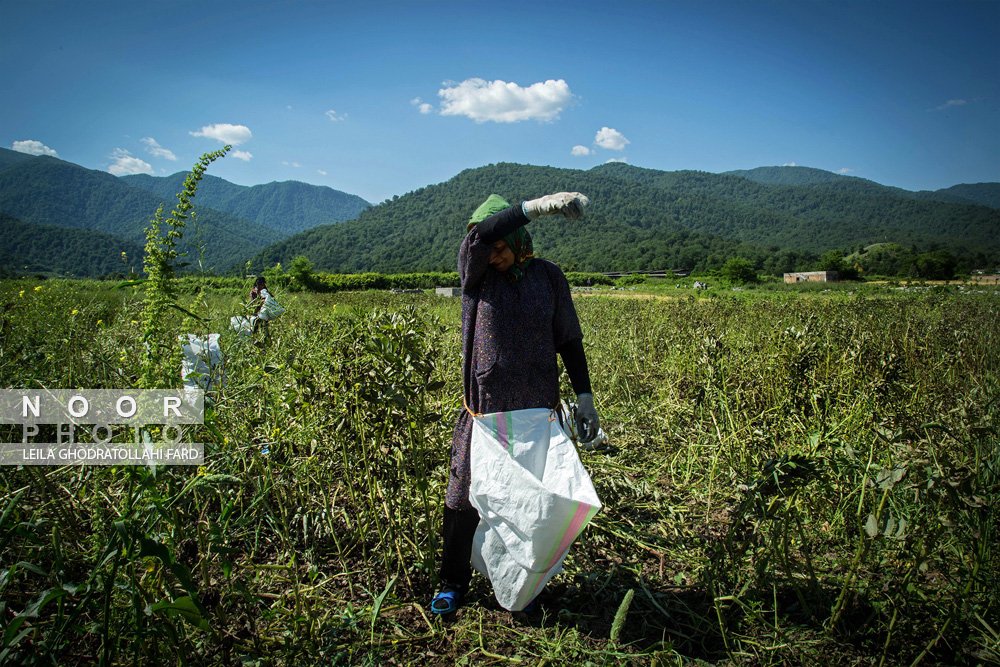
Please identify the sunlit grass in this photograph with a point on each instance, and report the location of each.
(791, 481)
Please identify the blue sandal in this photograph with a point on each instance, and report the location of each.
(445, 602)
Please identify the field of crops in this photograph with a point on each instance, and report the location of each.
(793, 478)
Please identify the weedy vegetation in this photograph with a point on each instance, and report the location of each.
(790, 481)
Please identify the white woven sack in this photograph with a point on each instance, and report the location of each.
(270, 310)
(534, 498)
(242, 325)
(202, 365)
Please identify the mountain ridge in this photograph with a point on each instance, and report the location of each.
(49, 191)
(636, 219)
(640, 217)
(287, 206)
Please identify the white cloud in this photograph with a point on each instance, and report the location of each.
(580, 151)
(611, 139)
(156, 150)
(789, 164)
(321, 172)
(242, 155)
(617, 159)
(422, 106)
(949, 103)
(226, 133)
(845, 170)
(32, 147)
(124, 164)
(291, 164)
(503, 102)
(332, 115)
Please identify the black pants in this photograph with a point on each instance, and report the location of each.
(459, 529)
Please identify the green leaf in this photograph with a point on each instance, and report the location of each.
(10, 508)
(381, 598)
(8, 635)
(43, 598)
(188, 312)
(871, 526)
(5, 536)
(151, 548)
(31, 567)
(186, 607)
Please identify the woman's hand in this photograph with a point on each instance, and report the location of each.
(570, 204)
(587, 421)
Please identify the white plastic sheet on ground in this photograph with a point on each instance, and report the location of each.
(534, 498)
(201, 367)
(270, 310)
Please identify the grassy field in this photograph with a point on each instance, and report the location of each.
(794, 477)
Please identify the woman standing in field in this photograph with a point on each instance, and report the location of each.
(517, 314)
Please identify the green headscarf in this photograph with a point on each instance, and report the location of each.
(519, 241)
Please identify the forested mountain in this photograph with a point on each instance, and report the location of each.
(782, 218)
(29, 248)
(985, 194)
(829, 212)
(9, 157)
(47, 191)
(805, 176)
(289, 206)
(640, 219)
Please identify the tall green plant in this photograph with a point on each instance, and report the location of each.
(159, 262)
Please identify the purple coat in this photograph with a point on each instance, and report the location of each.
(510, 334)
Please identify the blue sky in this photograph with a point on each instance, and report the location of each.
(381, 98)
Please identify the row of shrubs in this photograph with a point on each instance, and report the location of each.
(341, 282)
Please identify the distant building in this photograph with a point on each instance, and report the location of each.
(812, 277)
(987, 279)
(448, 291)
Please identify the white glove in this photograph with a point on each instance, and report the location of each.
(569, 204)
(587, 421)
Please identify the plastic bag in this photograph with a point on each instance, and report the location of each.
(242, 325)
(270, 310)
(534, 498)
(202, 365)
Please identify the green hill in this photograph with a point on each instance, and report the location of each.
(9, 157)
(835, 212)
(629, 226)
(779, 217)
(29, 248)
(809, 176)
(639, 219)
(48, 191)
(288, 207)
(985, 194)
